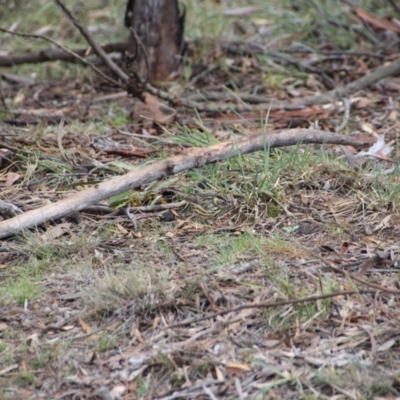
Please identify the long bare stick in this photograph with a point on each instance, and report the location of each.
(62, 47)
(52, 54)
(96, 47)
(271, 304)
(195, 158)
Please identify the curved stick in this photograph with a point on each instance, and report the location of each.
(194, 158)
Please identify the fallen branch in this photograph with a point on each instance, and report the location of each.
(65, 49)
(194, 158)
(244, 47)
(52, 54)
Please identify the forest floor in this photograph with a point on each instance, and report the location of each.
(273, 275)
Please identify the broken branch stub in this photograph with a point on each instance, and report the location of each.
(194, 158)
(159, 26)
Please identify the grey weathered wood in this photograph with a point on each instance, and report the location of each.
(195, 158)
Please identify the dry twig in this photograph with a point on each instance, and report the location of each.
(366, 264)
(65, 49)
(52, 54)
(96, 47)
(271, 304)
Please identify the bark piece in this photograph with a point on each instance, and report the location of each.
(159, 25)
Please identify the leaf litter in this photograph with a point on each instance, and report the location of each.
(133, 298)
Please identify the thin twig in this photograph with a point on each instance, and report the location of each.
(52, 54)
(96, 47)
(209, 393)
(185, 392)
(272, 304)
(59, 45)
(343, 272)
(132, 218)
(395, 5)
(146, 137)
(158, 207)
(346, 116)
(255, 48)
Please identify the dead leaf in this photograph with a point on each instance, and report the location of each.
(365, 138)
(3, 326)
(121, 229)
(118, 391)
(132, 387)
(136, 332)
(387, 345)
(67, 328)
(344, 248)
(240, 11)
(366, 266)
(85, 327)
(23, 366)
(149, 111)
(219, 374)
(34, 343)
(18, 99)
(364, 102)
(281, 115)
(368, 128)
(351, 158)
(11, 178)
(8, 369)
(269, 344)
(383, 224)
(237, 368)
(156, 322)
(243, 315)
(114, 325)
(304, 199)
(378, 149)
(56, 231)
(375, 21)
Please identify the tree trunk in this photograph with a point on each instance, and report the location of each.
(159, 26)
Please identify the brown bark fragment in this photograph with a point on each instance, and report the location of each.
(159, 26)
